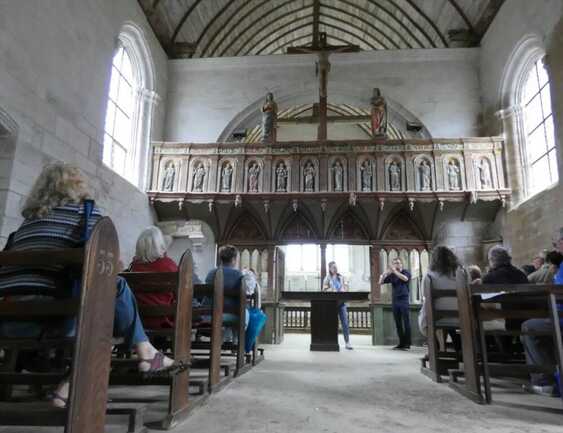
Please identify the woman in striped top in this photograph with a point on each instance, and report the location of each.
(54, 218)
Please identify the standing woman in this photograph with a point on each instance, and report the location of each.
(335, 282)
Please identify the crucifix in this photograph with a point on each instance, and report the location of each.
(320, 47)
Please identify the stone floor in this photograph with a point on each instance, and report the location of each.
(370, 389)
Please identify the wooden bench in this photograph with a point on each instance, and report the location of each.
(175, 342)
(477, 369)
(91, 347)
(438, 363)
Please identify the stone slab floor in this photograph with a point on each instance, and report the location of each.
(370, 389)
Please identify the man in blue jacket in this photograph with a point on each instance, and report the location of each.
(399, 279)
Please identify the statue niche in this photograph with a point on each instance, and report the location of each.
(337, 176)
(199, 178)
(394, 173)
(453, 175)
(424, 176)
(309, 177)
(269, 117)
(366, 176)
(281, 177)
(169, 177)
(484, 177)
(226, 177)
(253, 177)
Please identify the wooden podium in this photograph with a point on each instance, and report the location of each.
(324, 315)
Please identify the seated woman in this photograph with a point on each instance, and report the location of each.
(442, 276)
(55, 217)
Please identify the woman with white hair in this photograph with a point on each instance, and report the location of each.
(150, 256)
(56, 213)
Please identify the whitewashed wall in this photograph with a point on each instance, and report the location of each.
(55, 63)
(440, 87)
(530, 226)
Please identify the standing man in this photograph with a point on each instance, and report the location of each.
(399, 279)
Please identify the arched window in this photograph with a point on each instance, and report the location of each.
(118, 140)
(540, 159)
(131, 100)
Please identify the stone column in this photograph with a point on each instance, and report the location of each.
(513, 127)
(148, 100)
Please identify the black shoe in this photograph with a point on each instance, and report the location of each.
(405, 348)
(399, 347)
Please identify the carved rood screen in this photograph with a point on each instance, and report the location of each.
(466, 169)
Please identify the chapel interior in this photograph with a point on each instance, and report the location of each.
(302, 133)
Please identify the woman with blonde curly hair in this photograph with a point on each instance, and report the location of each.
(55, 217)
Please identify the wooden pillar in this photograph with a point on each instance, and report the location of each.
(270, 294)
(375, 273)
(323, 264)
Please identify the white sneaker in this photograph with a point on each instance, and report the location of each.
(349, 346)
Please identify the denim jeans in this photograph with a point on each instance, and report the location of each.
(343, 315)
(127, 323)
(401, 314)
(539, 349)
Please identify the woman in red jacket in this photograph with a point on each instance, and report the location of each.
(150, 256)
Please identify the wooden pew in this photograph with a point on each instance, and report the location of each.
(176, 341)
(477, 369)
(439, 319)
(91, 347)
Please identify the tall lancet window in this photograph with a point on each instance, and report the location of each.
(539, 148)
(118, 138)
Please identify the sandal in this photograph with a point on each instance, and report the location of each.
(55, 397)
(157, 368)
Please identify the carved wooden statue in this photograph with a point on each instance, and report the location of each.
(395, 176)
(169, 176)
(378, 114)
(367, 176)
(453, 176)
(226, 178)
(281, 178)
(338, 175)
(269, 117)
(253, 173)
(425, 174)
(199, 177)
(309, 177)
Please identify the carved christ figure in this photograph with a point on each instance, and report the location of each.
(309, 174)
(453, 176)
(425, 176)
(199, 177)
(226, 178)
(338, 172)
(269, 117)
(281, 178)
(169, 175)
(366, 175)
(378, 114)
(253, 173)
(395, 176)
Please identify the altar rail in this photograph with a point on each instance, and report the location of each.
(430, 166)
(298, 319)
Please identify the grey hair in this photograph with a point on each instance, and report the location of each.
(499, 256)
(150, 245)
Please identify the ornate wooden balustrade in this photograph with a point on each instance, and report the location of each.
(298, 319)
(462, 169)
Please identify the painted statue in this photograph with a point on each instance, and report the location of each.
(309, 174)
(425, 176)
(338, 173)
(378, 114)
(269, 117)
(453, 176)
(199, 177)
(395, 176)
(484, 174)
(169, 176)
(253, 173)
(226, 178)
(367, 176)
(281, 178)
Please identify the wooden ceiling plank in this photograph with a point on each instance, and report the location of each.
(430, 21)
(183, 20)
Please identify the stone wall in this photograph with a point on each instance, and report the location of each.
(439, 87)
(54, 79)
(532, 222)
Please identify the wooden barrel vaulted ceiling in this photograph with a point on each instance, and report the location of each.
(227, 28)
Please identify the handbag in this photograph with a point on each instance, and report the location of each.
(256, 321)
